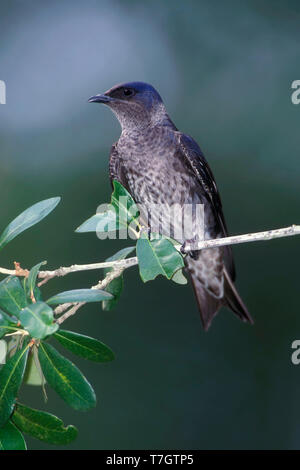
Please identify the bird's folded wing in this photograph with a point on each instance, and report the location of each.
(196, 161)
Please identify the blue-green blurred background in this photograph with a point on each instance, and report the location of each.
(225, 71)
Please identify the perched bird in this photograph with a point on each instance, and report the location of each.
(158, 164)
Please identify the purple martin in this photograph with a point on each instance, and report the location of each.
(159, 165)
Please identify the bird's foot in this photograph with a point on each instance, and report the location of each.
(182, 249)
(192, 254)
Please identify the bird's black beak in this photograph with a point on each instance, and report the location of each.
(100, 99)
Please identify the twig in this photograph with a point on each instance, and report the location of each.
(126, 263)
(205, 244)
(101, 285)
(69, 313)
(18, 271)
(9, 272)
(249, 237)
(62, 308)
(119, 266)
(63, 271)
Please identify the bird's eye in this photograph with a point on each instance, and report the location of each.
(127, 92)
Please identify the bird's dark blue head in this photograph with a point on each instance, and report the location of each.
(136, 104)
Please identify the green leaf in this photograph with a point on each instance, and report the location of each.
(102, 222)
(121, 254)
(127, 210)
(27, 219)
(37, 294)
(157, 257)
(11, 376)
(43, 426)
(7, 329)
(31, 280)
(79, 295)
(5, 319)
(66, 379)
(33, 374)
(13, 344)
(12, 295)
(6, 323)
(121, 212)
(179, 278)
(115, 287)
(11, 438)
(84, 346)
(38, 320)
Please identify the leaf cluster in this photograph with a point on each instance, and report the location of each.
(28, 321)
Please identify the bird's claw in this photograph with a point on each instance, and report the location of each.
(184, 252)
(182, 249)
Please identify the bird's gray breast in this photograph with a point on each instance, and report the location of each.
(160, 181)
(155, 173)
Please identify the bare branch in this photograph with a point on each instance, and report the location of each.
(126, 263)
(120, 265)
(69, 313)
(62, 308)
(63, 271)
(8, 272)
(249, 237)
(101, 285)
(205, 244)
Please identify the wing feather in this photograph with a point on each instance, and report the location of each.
(196, 161)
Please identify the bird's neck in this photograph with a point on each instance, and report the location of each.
(138, 122)
(139, 134)
(149, 127)
(161, 118)
(136, 142)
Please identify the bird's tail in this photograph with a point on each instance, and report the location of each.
(209, 304)
(234, 301)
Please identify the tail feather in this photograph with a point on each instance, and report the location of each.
(234, 301)
(209, 305)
